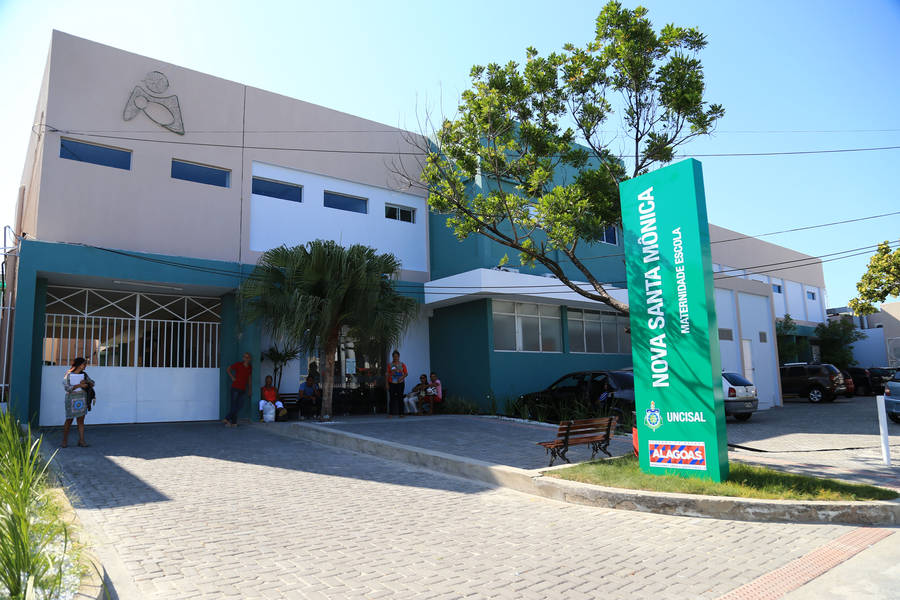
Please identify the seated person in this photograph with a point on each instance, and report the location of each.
(269, 394)
(310, 395)
(412, 399)
(434, 393)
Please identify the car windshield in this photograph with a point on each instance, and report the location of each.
(735, 379)
(831, 369)
(622, 380)
(568, 382)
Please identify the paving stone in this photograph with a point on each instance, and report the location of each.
(198, 510)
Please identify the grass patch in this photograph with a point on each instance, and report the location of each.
(744, 481)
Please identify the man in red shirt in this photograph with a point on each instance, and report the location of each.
(240, 382)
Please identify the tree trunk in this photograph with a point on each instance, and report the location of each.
(328, 374)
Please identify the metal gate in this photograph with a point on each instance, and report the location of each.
(154, 356)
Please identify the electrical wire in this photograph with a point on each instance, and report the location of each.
(419, 153)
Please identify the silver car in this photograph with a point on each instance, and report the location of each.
(892, 397)
(740, 396)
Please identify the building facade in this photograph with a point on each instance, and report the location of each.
(150, 190)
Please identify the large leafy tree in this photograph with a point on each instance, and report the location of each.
(836, 338)
(310, 295)
(879, 282)
(529, 162)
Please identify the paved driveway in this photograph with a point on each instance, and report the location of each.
(200, 511)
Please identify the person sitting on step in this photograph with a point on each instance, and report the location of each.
(268, 395)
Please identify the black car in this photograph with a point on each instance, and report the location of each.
(880, 376)
(864, 381)
(593, 392)
(818, 382)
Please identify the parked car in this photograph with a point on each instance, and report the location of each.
(851, 385)
(818, 382)
(583, 390)
(880, 376)
(740, 396)
(863, 380)
(892, 397)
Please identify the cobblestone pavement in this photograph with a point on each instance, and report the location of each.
(200, 511)
(489, 439)
(839, 439)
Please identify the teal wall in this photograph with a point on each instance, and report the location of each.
(460, 348)
(38, 260)
(463, 355)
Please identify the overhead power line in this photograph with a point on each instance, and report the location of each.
(410, 153)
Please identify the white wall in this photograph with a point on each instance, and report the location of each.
(756, 317)
(274, 222)
(814, 309)
(796, 300)
(137, 395)
(727, 318)
(871, 351)
(779, 299)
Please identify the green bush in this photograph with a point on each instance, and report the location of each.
(29, 522)
(454, 405)
(552, 410)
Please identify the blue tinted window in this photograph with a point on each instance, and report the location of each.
(610, 236)
(200, 173)
(277, 189)
(776, 288)
(342, 202)
(92, 153)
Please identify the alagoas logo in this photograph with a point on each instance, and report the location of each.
(678, 455)
(653, 418)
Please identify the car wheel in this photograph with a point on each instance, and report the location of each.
(895, 418)
(815, 394)
(743, 416)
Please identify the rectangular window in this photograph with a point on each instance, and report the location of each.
(527, 327)
(277, 189)
(95, 154)
(198, 173)
(810, 295)
(610, 235)
(763, 337)
(400, 213)
(776, 287)
(725, 334)
(597, 332)
(348, 203)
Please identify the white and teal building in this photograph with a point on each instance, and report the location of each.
(150, 190)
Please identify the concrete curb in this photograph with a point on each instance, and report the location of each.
(534, 482)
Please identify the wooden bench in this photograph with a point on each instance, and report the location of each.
(596, 432)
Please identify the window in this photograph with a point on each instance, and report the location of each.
(348, 203)
(94, 154)
(597, 332)
(610, 235)
(521, 327)
(776, 287)
(277, 189)
(200, 173)
(735, 379)
(763, 337)
(726, 334)
(400, 213)
(810, 295)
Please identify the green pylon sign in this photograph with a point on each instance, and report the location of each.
(674, 336)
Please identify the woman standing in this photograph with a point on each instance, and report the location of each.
(396, 376)
(76, 382)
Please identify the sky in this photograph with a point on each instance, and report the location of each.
(793, 76)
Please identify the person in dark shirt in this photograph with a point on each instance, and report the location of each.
(240, 383)
(310, 395)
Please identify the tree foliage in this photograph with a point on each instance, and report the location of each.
(790, 347)
(836, 338)
(879, 282)
(308, 296)
(529, 162)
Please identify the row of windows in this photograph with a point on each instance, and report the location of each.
(189, 171)
(726, 334)
(776, 287)
(526, 327)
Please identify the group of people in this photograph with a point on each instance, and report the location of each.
(427, 393)
(424, 394)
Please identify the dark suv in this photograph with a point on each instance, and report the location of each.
(821, 382)
(865, 382)
(880, 377)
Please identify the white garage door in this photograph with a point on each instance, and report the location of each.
(154, 356)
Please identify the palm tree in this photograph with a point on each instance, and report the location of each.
(306, 295)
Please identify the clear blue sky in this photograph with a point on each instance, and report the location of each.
(785, 71)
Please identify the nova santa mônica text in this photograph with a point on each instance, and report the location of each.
(656, 319)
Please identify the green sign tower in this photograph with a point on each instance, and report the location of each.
(674, 337)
